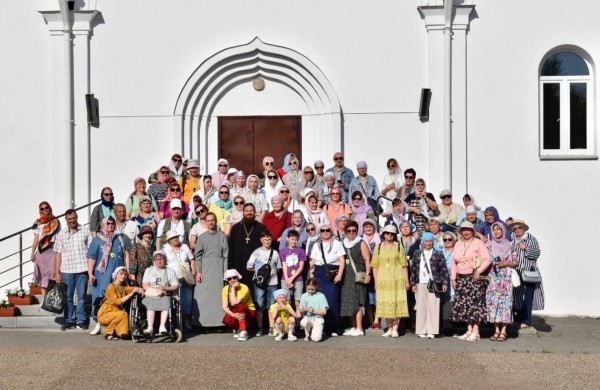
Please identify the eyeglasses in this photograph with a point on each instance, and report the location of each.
(308, 172)
(271, 177)
(110, 224)
(222, 165)
(238, 203)
(325, 230)
(164, 172)
(408, 177)
(319, 167)
(175, 189)
(338, 158)
(224, 192)
(293, 163)
(448, 240)
(284, 191)
(232, 278)
(357, 198)
(446, 196)
(177, 160)
(351, 231)
(269, 163)
(310, 229)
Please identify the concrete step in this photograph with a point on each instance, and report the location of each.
(47, 322)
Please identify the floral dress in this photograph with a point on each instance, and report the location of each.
(499, 295)
(140, 262)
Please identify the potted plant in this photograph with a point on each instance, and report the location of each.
(18, 296)
(7, 309)
(34, 288)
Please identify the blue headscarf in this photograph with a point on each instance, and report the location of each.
(286, 167)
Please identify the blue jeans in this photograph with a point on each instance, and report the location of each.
(75, 282)
(186, 294)
(524, 315)
(263, 296)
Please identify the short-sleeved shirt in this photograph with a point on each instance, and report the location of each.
(73, 249)
(317, 301)
(333, 250)
(160, 277)
(292, 258)
(243, 292)
(283, 314)
(174, 259)
(259, 257)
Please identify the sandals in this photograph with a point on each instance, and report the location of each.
(110, 337)
(502, 337)
(495, 337)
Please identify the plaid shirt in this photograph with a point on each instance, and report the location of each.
(73, 249)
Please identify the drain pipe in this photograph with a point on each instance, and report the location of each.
(448, 94)
(69, 109)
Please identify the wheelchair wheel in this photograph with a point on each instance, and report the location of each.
(177, 335)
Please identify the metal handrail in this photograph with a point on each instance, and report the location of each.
(21, 249)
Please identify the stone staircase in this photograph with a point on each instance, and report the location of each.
(33, 316)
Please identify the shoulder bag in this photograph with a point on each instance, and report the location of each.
(432, 286)
(262, 277)
(359, 277)
(331, 271)
(531, 276)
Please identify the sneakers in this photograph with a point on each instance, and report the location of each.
(388, 333)
(473, 337)
(243, 336)
(334, 334)
(423, 336)
(162, 330)
(81, 327)
(430, 336)
(279, 337)
(395, 334)
(356, 332)
(259, 333)
(272, 332)
(464, 336)
(291, 337)
(97, 329)
(236, 334)
(149, 331)
(349, 332)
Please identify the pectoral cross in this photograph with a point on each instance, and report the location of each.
(247, 239)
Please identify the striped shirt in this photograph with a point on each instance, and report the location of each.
(73, 248)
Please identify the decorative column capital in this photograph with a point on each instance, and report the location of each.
(82, 22)
(432, 12)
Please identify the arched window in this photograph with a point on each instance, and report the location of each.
(566, 107)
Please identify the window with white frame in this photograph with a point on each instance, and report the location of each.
(566, 107)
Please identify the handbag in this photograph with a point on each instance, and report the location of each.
(185, 276)
(433, 286)
(152, 292)
(331, 270)
(97, 303)
(373, 203)
(55, 299)
(359, 276)
(531, 276)
(515, 278)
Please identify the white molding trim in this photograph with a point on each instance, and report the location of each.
(81, 22)
(236, 65)
(434, 17)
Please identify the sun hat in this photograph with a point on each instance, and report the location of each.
(145, 230)
(193, 164)
(159, 252)
(445, 192)
(172, 234)
(145, 198)
(390, 229)
(467, 225)
(518, 222)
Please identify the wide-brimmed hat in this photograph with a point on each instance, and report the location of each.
(467, 225)
(518, 222)
(231, 272)
(145, 230)
(172, 234)
(390, 229)
(193, 164)
(159, 252)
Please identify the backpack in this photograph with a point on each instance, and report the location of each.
(263, 275)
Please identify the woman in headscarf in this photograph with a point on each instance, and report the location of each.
(372, 238)
(299, 225)
(528, 296)
(104, 255)
(271, 188)
(483, 231)
(102, 210)
(360, 210)
(499, 295)
(314, 214)
(294, 178)
(392, 182)
(132, 204)
(256, 197)
(236, 213)
(399, 213)
(44, 229)
(312, 236)
(239, 183)
(285, 168)
(222, 207)
(159, 189)
(422, 205)
(336, 205)
(174, 193)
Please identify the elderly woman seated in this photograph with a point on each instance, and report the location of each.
(111, 314)
(158, 282)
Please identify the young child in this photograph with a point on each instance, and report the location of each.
(314, 306)
(283, 316)
(263, 296)
(293, 260)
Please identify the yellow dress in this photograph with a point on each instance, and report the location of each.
(111, 313)
(283, 314)
(390, 285)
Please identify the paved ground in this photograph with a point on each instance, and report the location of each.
(564, 354)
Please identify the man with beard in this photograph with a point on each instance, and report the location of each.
(244, 238)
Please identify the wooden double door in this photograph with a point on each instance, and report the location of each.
(245, 140)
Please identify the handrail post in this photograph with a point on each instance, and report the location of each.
(21, 260)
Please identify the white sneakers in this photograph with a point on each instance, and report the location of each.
(427, 336)
(291, 337)
(243, 336)
(97, 329)
(162, 330)
(149, 331)
(391, 333)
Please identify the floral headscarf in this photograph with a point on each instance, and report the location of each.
(107, 247)
(360, 212)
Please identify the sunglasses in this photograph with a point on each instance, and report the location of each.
(293, 163)
(409, 177)
(177, 160)
(308, 172)
(232, 278)
(338, 158)
(272, 177)
(269, 163)
(110, 224)
(238, 203)
(311, 230)
(44, 208)
(319, 167)
(448, 240)
(446, 196)
(284, 191)
(108, 194)
(325, 230)
(351, 231)
(224, 192)
(164, 172)
(357, 198)
(201, 211)
(222, 165)
(175, 189)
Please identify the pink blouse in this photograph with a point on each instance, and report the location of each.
(463, 257)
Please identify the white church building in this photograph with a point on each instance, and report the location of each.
(512, 116)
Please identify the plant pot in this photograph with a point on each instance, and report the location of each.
(26, 300)
(8, 312)
(35, 290)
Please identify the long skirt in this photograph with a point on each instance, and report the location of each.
(469, 300)
(332, 294)
(43, 269)
(116, 321)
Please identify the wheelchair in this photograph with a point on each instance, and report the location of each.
(138, 321)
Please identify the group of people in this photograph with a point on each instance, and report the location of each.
(289, 248)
